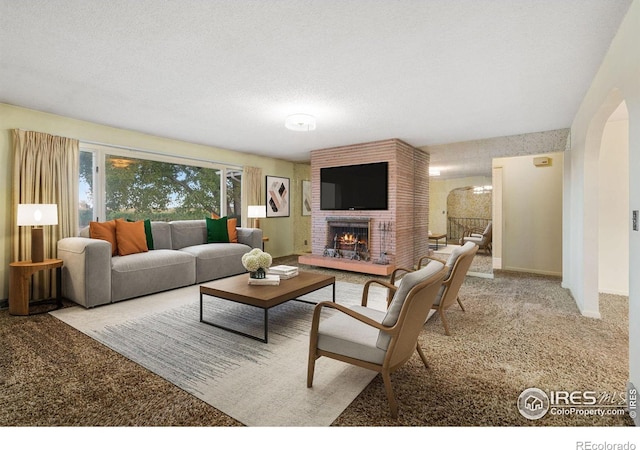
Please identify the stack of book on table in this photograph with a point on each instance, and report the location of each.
(268, 280)
(284, 272)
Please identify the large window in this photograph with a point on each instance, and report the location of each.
(87, 183)
(131, 185)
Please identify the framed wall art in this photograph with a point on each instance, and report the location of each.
(306, 198)
(278, 204)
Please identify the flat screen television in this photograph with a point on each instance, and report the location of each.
(357, 187)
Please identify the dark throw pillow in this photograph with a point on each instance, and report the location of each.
(217, 230)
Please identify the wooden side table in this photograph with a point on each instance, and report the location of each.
(20, 283)
(437, 237)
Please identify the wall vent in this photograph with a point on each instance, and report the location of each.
(542, 161)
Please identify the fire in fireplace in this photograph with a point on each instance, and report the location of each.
(348, 238)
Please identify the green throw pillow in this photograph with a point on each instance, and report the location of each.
(147, 232)
(217, 230)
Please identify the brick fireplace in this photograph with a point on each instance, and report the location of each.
(395, 237)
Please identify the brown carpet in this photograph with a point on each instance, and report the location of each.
(519, 331)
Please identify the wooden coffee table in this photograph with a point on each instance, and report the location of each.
(237, 289)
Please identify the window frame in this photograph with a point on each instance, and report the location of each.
(100, 152)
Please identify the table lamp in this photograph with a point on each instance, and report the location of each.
(36, 215)
(256, 212)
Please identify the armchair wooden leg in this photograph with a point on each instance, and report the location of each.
(313, 345)
(461, 305)
(311, 369)
(444, 323)
(393, 405)
(422, 357)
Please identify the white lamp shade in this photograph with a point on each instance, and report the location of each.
(37, 214)
(256, 211)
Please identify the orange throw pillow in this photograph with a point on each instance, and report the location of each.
(231, 229)
(131, 237)
(105, 231)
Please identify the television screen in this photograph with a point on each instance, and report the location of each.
(358, 187)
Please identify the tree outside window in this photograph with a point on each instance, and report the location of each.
(146, 189)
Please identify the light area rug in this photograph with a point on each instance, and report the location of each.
(258, 384)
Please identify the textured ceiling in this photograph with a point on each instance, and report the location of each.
(227, 73)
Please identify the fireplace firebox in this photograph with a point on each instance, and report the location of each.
(348, 238)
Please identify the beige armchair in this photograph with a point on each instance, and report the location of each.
(457, 267)
(481, 237)
(374, 339)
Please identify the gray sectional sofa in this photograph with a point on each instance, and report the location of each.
(181, 257)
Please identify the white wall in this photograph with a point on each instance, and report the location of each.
(613, 213)
(531, 214)
(618, 79)
(279, 230)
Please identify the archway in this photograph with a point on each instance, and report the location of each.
(590, 305)
(470, 208)
(613, 206)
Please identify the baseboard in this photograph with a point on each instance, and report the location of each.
(614, 292)
(534, 271)
(4, 303)
(589, 313)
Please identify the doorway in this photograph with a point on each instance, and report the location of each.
(469, 209)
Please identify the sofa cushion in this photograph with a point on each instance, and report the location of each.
(154, 271)
(186, 233)
(161, 232)
(218, 260)
(105, 231)
(217, 230)
(131, 237)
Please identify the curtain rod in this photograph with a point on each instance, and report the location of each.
(154, 152)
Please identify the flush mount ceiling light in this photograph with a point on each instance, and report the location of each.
(300, 122)
(434, 172)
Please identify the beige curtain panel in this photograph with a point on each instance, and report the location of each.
(253, 185)
(45, 170)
